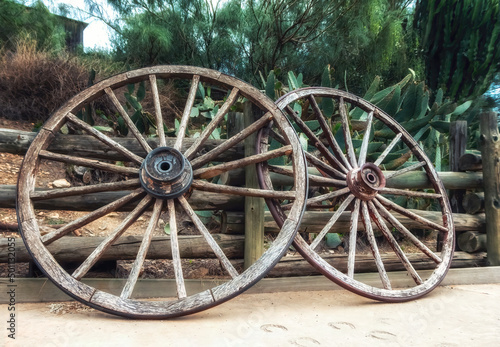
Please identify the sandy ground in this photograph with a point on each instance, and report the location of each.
(462, 315)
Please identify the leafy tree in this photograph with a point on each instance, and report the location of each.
(246, 37)
(461, 44)
(17, 20)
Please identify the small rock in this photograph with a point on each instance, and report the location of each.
(54, 215)
(62, 183)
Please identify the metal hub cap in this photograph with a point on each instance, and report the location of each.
(366, 181)
(166, 173)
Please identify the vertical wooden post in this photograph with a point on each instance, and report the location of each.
(490, 152)
(458, 144)
(254, 207)
(234, 123)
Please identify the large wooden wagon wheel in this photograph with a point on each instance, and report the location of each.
(155, 175)
(362, 165)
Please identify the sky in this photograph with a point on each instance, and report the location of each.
(97, 34)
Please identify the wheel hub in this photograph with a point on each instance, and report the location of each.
(366, 181)
(166, 173)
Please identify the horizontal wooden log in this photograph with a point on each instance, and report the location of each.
(470, 162)
(472, 241)
(86, 146)
(90, 202)
(77, 249)
(408, 180)
(291, 266)
(314, 221)
(473, 202)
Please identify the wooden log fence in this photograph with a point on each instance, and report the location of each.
(77, 249)
(479, 226)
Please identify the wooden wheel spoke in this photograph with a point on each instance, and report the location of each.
(316, 142)
(208, 237)
(403, 230)
(143, 249)
(366, 140)
(353, 236)
(131, 126)
(324, 168)
(388, 149)
(94, 215)
(331, 222)
(110, 239)
(327, 196)
(278, 137)
(328, 132)
(425, 222)
(347, 134)
(216, 170)
(96, 188)
(314, 180)
(205, 134)
(96, 164)
(203, 159)
(103, 138)
(393, 243)
(373, 245)
(406, 169)
(158, 113)
(187, 112)
(176, 256)
(411, 193)
(260, 193)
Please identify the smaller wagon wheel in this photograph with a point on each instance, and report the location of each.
(361, 196)
(168, 168)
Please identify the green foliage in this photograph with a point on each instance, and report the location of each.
(18, 21)
(426, 116)
(428, 122)
(244, 38)
(461, 44)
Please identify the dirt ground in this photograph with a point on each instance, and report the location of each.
(463, 315)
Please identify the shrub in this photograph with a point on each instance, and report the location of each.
(34, 83)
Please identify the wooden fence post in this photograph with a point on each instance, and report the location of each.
(254, 207)
(458, 144)
(490, 152)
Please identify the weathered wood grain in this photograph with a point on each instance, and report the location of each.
(86, 146)
(473, 202)
(473, 241)
(71, 249)
(89, 202)
(490, 152)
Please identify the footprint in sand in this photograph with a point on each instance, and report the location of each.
(304, 342)
(341, 325)
(382, 335)
(270, 328)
